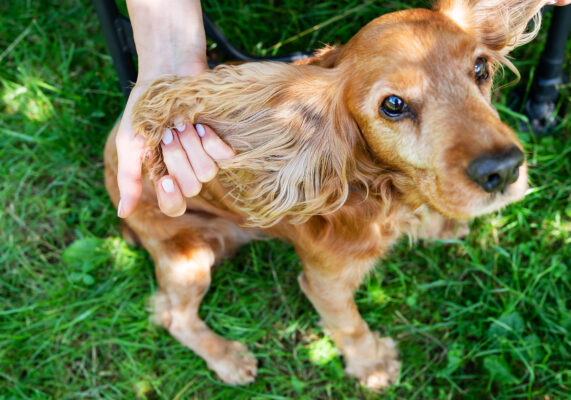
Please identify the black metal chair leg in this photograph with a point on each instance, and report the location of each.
(119, 38)
(216, 35)
(118, 34)
(544, 95)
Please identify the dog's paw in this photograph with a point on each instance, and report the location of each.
(379, 368)
(237, 366)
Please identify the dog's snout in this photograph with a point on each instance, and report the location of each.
(493, 172)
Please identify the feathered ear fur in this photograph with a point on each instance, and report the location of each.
(325, 57)
(501, 25)
(297, 144)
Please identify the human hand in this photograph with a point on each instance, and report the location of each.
(559, 2)
(169, 41)
(189, 152)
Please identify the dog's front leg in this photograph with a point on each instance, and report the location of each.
(330, 288)
(184, 249)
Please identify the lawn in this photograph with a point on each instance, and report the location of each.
(487, 317)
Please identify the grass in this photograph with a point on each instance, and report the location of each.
(486, 317)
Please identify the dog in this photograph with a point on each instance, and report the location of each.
(340, 154)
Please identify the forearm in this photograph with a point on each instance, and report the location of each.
(169, 38)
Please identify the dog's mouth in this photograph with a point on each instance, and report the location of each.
(463, 199)
(511, 193)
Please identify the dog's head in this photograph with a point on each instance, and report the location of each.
(419, 87)
(406, 103)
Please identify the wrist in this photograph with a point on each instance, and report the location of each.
(169, 40)
(190, 65)
(184, 64)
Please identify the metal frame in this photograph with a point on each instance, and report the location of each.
(118, 34)
(540, 107)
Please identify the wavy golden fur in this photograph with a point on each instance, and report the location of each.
(295, 157)
(500, 25)
(322, 164)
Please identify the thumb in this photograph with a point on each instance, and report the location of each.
(130, 151)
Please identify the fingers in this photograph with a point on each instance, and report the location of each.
(171, 201)
(178, 165)
(203, 166)
(189, 155)
(213, 145)
(201, 146)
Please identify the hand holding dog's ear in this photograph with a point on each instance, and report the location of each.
(169, 41)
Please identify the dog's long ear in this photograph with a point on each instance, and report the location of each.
(501, 25)
(325, 57)
(294, 137)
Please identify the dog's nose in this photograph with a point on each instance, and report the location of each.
(493, 172)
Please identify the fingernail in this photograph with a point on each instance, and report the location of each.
(168, 185)
(179, 125)
(167, 137)
(200, 130)
(119, 208)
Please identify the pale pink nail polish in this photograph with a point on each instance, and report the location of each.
(167, 137)
(168, 185)
(179, 125)
(200, 130)
(119, 208)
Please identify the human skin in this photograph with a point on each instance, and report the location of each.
(169, 40)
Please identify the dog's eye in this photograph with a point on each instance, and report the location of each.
(393, 106)
(481, 69)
